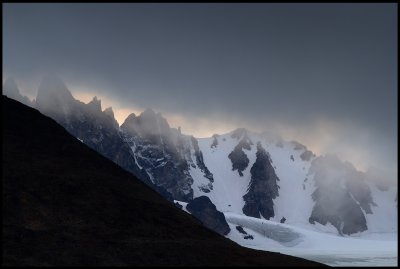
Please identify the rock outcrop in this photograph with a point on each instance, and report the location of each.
(204, 210)
(161, 152)
(341, 195)
(262, 188)
(239, 159)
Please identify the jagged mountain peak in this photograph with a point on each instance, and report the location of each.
(298, 146)
(129, 120)
(95, 103)
(149, 115)
(109, 111)
(185, 167)
(148, 124)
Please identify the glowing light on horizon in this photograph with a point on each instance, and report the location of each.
(321, 137)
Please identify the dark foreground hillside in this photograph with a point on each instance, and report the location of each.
(64, 204)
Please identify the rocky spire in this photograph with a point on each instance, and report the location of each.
(109, 111)
(95, 104)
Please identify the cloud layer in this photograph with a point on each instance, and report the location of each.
(324, 74)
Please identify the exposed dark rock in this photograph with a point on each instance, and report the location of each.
(307, 155)
(147, 147)
(248, 237)
(240, 229)
(347, 217)
(204, 210)
(95, 105)
(206, 188)
(109, 112)
(291, 158)
(200, 160)
(341, 195)
(215, 141)
(162, 152)
(239, 159)
(97, 129)
(355, 184)
(298, 146)
(178, 205)
(283, 220)
(262, 188)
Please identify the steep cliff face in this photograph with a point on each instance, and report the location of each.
(238, 157)
(263, 187)
(342, 198)
(87, 122)
(145, 145)
(203, 168)
(165, 154)
(160, 151)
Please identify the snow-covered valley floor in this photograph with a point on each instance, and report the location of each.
(364, 250)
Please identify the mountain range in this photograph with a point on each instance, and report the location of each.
(254, 175)
(66, 205)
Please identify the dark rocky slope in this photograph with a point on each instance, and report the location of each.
(64, 204)
(262, 188)
(341, 195)
(204, 210)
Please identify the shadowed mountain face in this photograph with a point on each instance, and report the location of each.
(341, 195)
(263, 187)
(64, 204)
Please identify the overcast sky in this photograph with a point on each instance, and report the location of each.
(323, 74)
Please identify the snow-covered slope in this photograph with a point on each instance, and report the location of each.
(322, 247)
(296, 183)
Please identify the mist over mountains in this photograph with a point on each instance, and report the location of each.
(174, 163)
(274, 125)
(248, 174)
(66, 205)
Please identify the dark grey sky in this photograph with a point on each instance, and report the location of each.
(323, 73)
